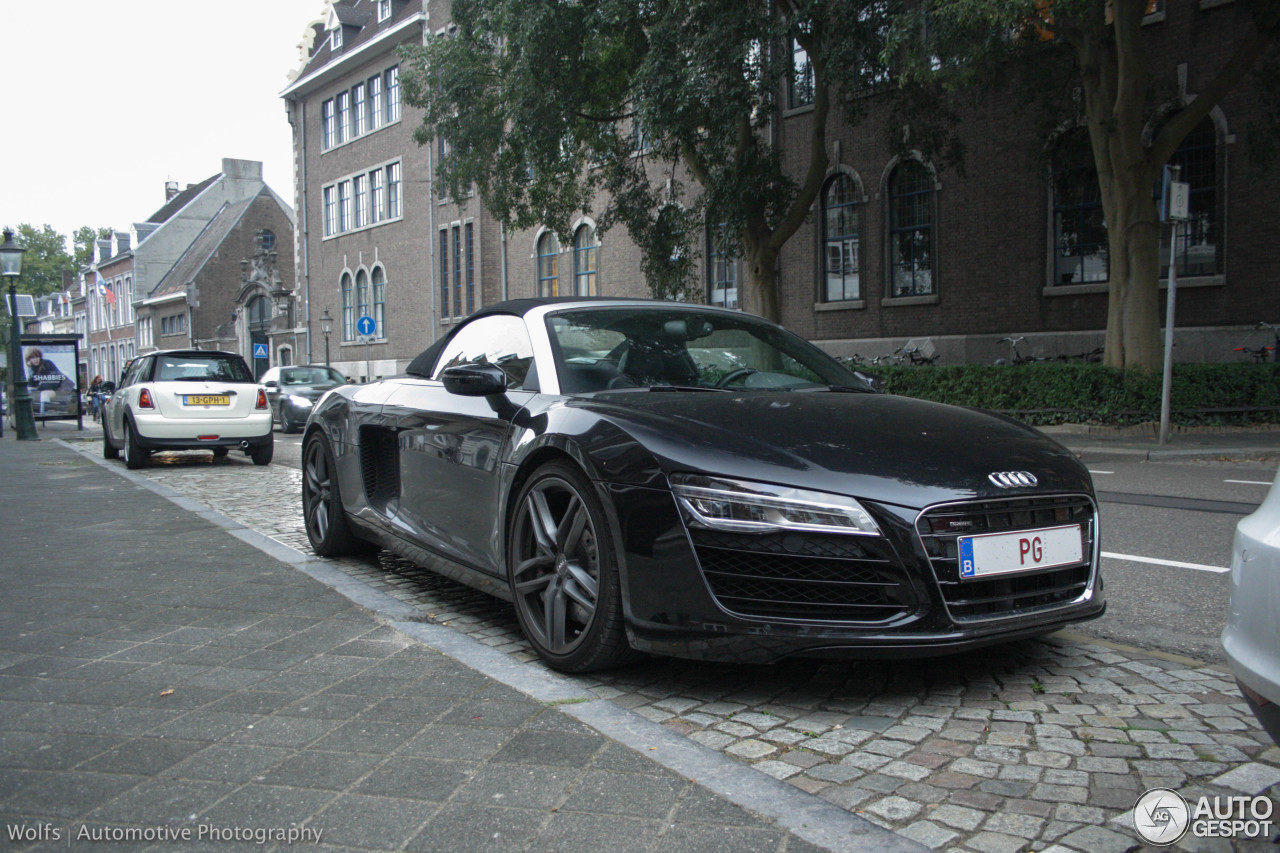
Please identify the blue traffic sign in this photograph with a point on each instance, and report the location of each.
(366, 326)
(260, 351)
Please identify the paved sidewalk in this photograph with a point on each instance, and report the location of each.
(165, 683)
(1041, 746)
(1141, 443)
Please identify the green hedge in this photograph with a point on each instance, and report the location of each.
(1091, 393)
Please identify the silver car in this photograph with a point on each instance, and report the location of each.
(1252, 636)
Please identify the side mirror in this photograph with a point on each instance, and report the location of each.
(474, 380)
(874, 380)
(271, 383)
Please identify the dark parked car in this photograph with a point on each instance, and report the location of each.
(697, 482)
(292, 391)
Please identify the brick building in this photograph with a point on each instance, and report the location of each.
(894, 248)
(125, 311)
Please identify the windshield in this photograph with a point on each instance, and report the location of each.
(188, 367)
(310, 376)
(602, 349)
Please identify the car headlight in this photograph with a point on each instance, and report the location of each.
(740, 506)
(300, 402)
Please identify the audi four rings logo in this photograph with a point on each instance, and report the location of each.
(1013, 479)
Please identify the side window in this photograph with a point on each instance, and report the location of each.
(135, 372)
(500, 340)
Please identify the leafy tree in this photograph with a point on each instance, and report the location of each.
(1135, 119)
(83, 241)
(655, 115)
(44, 261)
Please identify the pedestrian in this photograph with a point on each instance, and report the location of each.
(95, 396)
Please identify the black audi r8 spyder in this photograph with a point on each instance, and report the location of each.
(697, 482)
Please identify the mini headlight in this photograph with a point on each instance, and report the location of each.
(300, 402)
(737, 505)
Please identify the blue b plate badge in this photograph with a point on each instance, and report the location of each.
(1023, 551)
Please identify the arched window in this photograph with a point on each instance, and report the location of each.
(586, 257)
(1079, 228)
(379, 302)
(911, 230)
(1199, 250)
(548, 265)
(840, 247)
(348, 310)
(362, 294)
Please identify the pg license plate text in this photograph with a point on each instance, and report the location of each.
(1023, 551)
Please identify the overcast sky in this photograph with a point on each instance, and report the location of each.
(114, 99)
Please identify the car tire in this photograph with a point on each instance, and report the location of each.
(135, 456)
(109, 450)
(221, 452)
(563, 572)
(262, 454)
(287, 426)
(322, 512)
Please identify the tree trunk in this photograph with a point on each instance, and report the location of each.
(761, 295)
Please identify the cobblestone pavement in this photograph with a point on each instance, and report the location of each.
(1042, 746)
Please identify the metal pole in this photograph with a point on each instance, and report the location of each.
(326, 349)
(24, 424)
(1167, 385)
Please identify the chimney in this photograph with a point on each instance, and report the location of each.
(170, 190)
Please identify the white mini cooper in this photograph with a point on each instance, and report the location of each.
(187, 400)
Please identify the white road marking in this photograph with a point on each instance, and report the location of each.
(1199, 567)
(1091, 471)
(1248, 482)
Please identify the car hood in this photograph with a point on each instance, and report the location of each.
(893, 449)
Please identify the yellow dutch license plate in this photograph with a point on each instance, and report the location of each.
(207, 400)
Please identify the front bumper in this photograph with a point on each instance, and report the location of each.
(1252, 633)
(694, 595)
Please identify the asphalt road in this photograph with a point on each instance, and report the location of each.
(1166, 539)
(1168, 512)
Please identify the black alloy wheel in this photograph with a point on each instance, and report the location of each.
(135, 456)
(563, 572)
(322, 512)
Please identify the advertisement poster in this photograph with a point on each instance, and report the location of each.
(50, 366)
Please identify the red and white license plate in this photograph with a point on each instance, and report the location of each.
(1023, 551)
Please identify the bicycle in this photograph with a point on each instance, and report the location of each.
(916, 355)
(1093, 356)
(1260, 354)
(1275, 335)
(1017, 357)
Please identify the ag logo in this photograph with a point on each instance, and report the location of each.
(1161, 816)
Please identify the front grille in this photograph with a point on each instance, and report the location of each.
(824, 577)
(1006, 595)
(379, 465)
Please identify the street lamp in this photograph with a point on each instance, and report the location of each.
(10, 268)
(326, 326)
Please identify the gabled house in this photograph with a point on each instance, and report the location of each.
(129, 266)
(230, 289)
